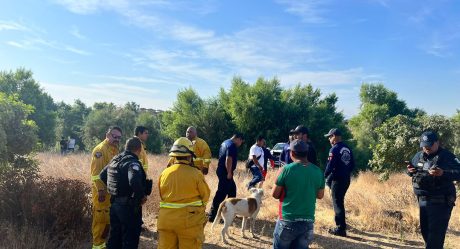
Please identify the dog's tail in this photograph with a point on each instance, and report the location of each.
(218, 215)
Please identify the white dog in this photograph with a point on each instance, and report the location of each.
(246, 207)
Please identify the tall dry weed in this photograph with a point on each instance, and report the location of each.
(386, 207)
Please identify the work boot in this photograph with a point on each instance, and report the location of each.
(338, 232)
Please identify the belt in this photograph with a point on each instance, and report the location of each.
(433, 198)
(120, 199)
(180, 205)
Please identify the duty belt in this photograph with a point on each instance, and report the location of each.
(181, 205)
(433, 199)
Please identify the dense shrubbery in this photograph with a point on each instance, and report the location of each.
(262, 108)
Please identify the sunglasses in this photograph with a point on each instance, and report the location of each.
(115, 137)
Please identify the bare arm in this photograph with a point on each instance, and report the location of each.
(320, 194)
(228, 165)
(256, 161)
(277, 191)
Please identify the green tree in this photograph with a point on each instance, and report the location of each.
(184, 113)
(18, 134)
(105, 115)
(456, 128)
(214, 124)
(152, 121)
(71, 120)
(22, 83)
(397, 142)
(378, 104)
(399, 139)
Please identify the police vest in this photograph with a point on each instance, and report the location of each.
(117, 175)
(422, 179)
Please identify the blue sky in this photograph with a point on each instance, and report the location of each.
(146, 50)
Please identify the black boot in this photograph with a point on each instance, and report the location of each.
(338, 232)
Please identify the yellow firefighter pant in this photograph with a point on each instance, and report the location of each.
(101, 221)
(181, 228)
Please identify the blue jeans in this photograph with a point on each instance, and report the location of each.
(256, 176)
(292, 234)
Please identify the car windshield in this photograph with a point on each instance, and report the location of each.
(279, 146)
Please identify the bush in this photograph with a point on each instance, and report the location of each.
(57, 207)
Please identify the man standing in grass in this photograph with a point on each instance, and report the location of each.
(101, 156)
(297, 186)
(143, 134)
(340, 164)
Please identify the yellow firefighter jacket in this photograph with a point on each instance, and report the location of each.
(182, 185)
(143, 158)
(202, 152)
(101, 156)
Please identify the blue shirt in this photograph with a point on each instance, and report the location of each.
(340, 162)
(227, 148)
(286, 155)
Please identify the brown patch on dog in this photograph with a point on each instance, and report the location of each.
(222, 207)
(234, 201)
(252, 205)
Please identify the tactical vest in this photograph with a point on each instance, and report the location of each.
(117, 175)
(422, 179)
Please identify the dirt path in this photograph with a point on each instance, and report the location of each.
(264, 229)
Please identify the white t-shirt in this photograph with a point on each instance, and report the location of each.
(257, 151)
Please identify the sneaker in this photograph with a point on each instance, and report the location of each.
(338, 232)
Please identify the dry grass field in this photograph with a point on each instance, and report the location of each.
(380, 214)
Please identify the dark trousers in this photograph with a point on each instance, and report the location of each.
(256, 176)
(339, 189)
(125, 226)
(434, 219)
(225, 188)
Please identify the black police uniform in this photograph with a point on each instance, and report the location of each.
(126, 183)
(339, 166)
(436, 194)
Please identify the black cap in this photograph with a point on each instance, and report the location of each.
(298, 145)
(333, 131)
(301, 129)
(428, 138)
(292, 132)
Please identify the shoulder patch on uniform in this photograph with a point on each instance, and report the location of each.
(98, 154)
(136, 167)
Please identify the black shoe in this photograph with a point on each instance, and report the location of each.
(338, 232)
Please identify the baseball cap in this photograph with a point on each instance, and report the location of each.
(428, 138)
(333, 131)
(301, 129)
(291, 132)
(298, 145)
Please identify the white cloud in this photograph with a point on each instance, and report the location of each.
(109, 92)
(323, 78)
(15, 44)
(310, 11)
(141, 79)
(9, 25)
(76, 50)
(88, 6)
(39, 44)
(76, 33)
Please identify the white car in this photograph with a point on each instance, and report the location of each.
(276, 153)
